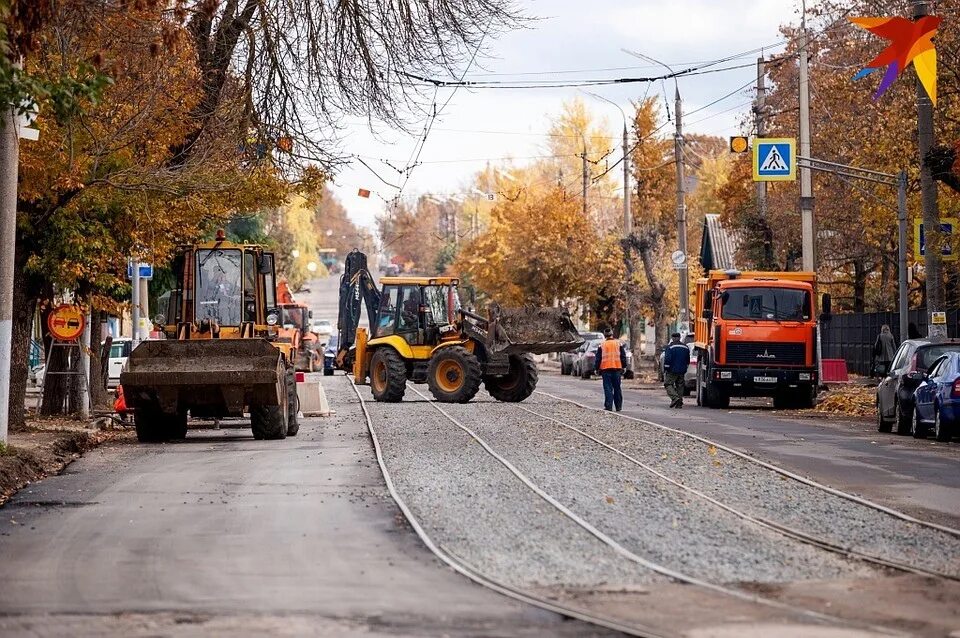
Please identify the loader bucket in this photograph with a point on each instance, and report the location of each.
(533, 330)
(209, 377)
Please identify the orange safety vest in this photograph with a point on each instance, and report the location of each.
(610, 354)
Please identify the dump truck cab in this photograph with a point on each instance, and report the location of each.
(756, 335)
(222, 355)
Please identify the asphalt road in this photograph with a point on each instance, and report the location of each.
(222, 534)
(920, 477)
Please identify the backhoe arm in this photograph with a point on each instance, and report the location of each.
(356, 286)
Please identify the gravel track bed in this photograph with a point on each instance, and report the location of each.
(646, 515)
(474, 508)
(764, 493)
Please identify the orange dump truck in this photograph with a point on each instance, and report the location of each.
(756, 335)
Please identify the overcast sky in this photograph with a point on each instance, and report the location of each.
(570, 35)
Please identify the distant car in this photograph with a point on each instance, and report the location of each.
(937, 398)
(119, 351)
(330, 355)
(690, 378)
(322, 327)
(392, 270)
(566, 358)
(584, 362)
(895, 390)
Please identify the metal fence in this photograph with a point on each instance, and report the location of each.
(851, 336)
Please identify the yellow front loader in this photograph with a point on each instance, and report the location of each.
(222, 354)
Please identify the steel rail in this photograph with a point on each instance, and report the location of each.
(779, 528)
(770, 466)
(470, 572)
(639, 560)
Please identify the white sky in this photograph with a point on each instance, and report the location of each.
(570, 35)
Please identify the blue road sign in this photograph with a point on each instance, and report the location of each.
(920, 241)
(146, 271)
(774, 159)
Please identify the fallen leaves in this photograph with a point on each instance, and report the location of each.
(850, 401)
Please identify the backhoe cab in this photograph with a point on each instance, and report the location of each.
(221, 354)
(419, 332)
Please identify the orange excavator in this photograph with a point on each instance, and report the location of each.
(294, 327)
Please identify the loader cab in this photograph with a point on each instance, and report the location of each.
(419, 310)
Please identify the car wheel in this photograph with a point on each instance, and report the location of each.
(902, 420)
(941, 431)
(882, 424)
(917, 429)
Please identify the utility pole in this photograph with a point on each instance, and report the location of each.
(808, 233)
(683, 272)
(9, 147)
(135, 300)
(627, 231)
(903, 301)
(759, 116)
(932, 261)
(583, 170)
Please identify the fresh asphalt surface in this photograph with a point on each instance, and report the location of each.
(920, 477)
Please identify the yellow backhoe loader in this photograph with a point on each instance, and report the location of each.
(221, 354)
(420, 333)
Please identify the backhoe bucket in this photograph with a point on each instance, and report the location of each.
(533, 330)
(209, 377)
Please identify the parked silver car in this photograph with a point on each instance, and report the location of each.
(584, 361)
(567, 358)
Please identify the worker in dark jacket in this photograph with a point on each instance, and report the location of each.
(676, 360)
(610, 361)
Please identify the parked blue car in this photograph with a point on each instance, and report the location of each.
(329, 355)
(937, 399)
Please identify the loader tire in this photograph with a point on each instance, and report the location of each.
(148, 420)
(270, 421)
(388, 376)
(176, 424)
(516, 385)
(293, 403)
(454, 375)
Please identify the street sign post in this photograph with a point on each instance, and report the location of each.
(774, 159)
(146, 271)
(938, 318)
(679, 259)
(947, 226)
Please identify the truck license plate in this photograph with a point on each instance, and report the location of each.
(765, 379)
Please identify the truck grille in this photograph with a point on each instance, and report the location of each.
(766, 354)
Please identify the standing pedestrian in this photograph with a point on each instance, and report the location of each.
(610, 361)
(883, 351)
(676, 360)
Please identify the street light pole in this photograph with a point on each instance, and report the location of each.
(808, 234)
(9, 144)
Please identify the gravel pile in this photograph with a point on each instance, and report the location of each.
(476, 510)
(761, 492)
(648, 516)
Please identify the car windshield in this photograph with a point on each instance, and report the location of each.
(116, 351)
(290, 316)
(333, 343)
(928, 354)
(592, 345)
(219, 290)
(766, 304)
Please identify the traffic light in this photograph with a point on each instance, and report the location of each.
(739, 144)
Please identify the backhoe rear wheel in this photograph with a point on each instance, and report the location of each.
(516, 385)
(148, 420)
(388, 375)
(454, 375)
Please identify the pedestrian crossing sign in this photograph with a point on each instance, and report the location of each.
(774, 159)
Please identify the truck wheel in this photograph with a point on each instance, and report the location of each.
(808, 399)
(270, 421)
(148, 420)
(388, 376)
(177, 424)
(293, 402)
(516, 385)
(454, 375)
(709, 395)
(565, 369)
(585, 373)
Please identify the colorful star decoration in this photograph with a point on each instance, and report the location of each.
(909, 42)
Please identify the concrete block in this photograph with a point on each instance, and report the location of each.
(313, 400)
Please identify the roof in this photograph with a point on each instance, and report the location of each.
(419, 281)
(718, 249)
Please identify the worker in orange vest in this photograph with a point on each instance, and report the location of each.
(610, 362)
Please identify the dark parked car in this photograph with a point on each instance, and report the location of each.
(583, 363)
(567, 358)
(329, 355)
(937, 398)
(895, 391)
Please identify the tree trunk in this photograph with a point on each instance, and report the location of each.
(99, 362)
(860, 273)
(657, 292)
(24, 305)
